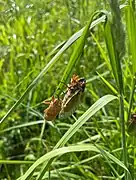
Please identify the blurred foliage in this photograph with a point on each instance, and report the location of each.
(29, 31)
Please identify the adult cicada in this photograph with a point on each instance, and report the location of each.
(53, 110)
(73, 96)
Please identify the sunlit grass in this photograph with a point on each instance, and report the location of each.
(42, 45)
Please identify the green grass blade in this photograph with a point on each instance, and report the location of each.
(111, 50)
(105, 57)
(55, 153)
(131, 29)
(115, 41)
(116, 49)
(15, 162)
(131, 97)
(108, 84)
(109, 157)
(49, 65)
(111, 88)
(117, 161)
(22, 125)
(89, 113)
(75, 55)
(75, 127)
(64, 150)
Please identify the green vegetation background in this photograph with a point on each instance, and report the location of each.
(31, 33)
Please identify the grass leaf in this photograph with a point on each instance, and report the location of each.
(76, 126)
(64, 150)
(49, 66)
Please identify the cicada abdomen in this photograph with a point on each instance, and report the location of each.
(72, 97)
(53, 110)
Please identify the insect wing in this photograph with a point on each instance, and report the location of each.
(70, 105)
(72, 98)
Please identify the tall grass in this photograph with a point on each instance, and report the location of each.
(115, 41)
(43, 44)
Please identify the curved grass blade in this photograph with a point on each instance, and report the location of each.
(15, 162)
(76, 54)
(55, 153)
(64, 150)
(115, 41)
(89, 113)
(22, 125)
(71, 40)
(131, 29)
(102, 51)
(111, 88)
(77, 125)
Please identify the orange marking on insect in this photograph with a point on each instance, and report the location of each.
(76, 83)
(53, 110)
(74, 79)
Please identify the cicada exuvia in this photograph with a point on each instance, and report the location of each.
(72, 97)
(53, 110)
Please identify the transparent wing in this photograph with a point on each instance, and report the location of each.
(70, 106)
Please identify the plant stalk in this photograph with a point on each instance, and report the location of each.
(123, 132)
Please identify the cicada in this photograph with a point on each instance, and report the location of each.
(53, 110)
(73, 96)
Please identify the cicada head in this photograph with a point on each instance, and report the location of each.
(53, 110)
(77, 84)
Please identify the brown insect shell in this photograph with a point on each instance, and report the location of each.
(53, 110)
